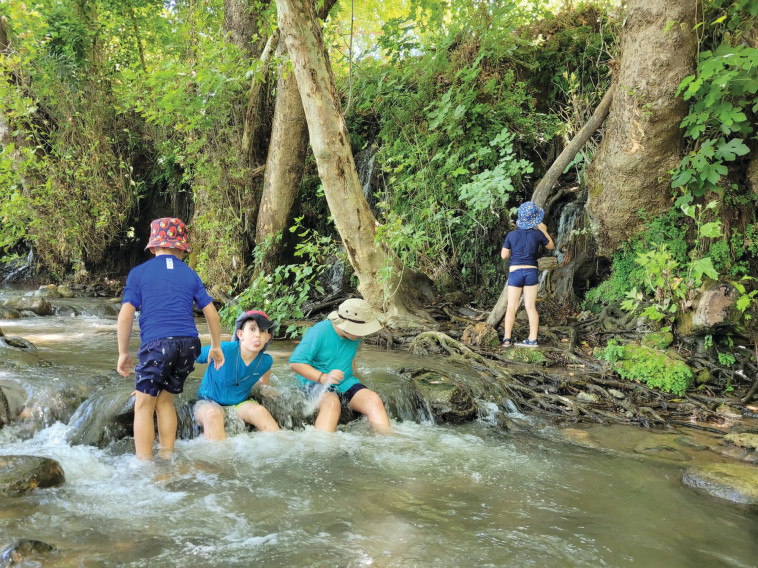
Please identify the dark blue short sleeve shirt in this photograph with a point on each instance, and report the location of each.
(524, 244)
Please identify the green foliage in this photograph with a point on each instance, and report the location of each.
(461, 115)
(283, 293)
(649, 366)
(664, 240)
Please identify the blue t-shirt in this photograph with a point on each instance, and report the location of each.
(324, 350)
(163, 290)
(231, 384)
(524, 244)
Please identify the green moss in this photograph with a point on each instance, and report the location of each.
(645, 364)
(526, 355)
(658, 340)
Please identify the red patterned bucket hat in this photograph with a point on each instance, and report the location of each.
(168, 232)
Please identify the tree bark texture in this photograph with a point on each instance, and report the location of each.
(286, 159)
(255, 105)
(242, 26)
(378, 268)
(643, 140)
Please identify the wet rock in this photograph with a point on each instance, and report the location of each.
(65, 291)
(654, 447)
(689, 443)
(48, 291)
(106, 416)
(26, 552)
(587, 397)
(22, 474)
(739, 446)
(745, 440)
(39, 306)
(18, 343)
(480, 335)
(728, 412)
(616, 394)
(10, 313)
(447, 399)
(5, 410)
(734, 482)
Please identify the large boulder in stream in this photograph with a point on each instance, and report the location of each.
(731, 481)
(39, 306)
(107, 415)
(5, 410)
(447, 399)
(22, 474)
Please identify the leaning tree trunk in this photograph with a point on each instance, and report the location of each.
(286, 155)
(643, 140)
(378, 268)
(286, 161)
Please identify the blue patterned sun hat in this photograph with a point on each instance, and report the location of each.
(529, 215)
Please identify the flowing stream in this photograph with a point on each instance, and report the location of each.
(430, 495)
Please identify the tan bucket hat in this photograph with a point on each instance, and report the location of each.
(355, 316)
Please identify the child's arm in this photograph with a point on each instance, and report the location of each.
(335, 376)
(505, 253)
(550, 244)
(124, 365)
(214, 327)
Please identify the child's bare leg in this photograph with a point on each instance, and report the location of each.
(530, 304)
(257, 415)
(164, 408)
(369, 403)
(514, 295)
(211, 417)
(144, 430)
(329, 411)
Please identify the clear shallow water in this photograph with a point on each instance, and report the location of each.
(430, 495)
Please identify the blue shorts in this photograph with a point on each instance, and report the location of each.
(523, 277)
(314, 389)
(164, 364)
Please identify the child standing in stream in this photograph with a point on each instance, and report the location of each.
(163, 289)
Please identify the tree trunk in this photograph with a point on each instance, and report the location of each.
(241, 24)
(643, 140)
(255, 106)
(286, 160)
(378, 268)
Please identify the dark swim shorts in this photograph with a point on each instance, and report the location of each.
(523, 277)
(164, 364)
(314, 389)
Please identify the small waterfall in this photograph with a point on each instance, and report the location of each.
(19, 269)
(565, 225)
(364, 163)
(334, 277)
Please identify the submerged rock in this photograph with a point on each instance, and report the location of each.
(733, 482)
(448, 400)
(22, 474)
(25, 551)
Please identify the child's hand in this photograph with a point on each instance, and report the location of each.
(124, 365)
(334, 377)
(542, 227)
(217, 356)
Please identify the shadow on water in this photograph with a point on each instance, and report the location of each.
(470, 494)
